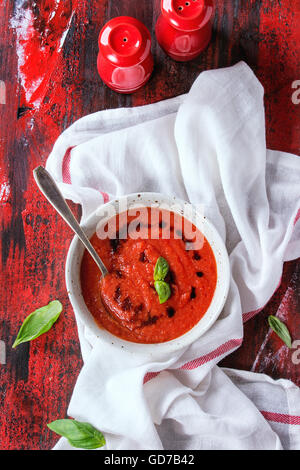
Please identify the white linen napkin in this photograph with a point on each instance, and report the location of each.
(207, 147)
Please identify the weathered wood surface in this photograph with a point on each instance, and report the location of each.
(48, 53)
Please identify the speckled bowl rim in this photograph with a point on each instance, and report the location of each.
(154, 350)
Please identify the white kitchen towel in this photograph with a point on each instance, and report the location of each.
(207, 147)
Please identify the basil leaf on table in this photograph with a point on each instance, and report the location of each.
(80, 435)
(161, 269)
(38, 322)
(280, 329)
(163, 289)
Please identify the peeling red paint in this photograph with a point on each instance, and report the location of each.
(4, 191)
(40, 34)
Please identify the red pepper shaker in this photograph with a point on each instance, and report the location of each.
(183, 30)
(125, 62)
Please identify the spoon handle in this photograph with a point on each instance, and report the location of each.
(50, 190)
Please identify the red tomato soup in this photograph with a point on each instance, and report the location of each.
(133, 311)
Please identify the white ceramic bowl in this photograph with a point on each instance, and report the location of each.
(223, 275)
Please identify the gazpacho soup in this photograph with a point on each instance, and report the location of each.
(162, 276)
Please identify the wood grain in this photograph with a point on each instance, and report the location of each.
(37, 380)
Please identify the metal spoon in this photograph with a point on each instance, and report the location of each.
(50, 190)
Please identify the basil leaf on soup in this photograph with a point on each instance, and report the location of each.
(280, 329)
(161, 269)
(80, 435)
(163, 289)
(38, 322)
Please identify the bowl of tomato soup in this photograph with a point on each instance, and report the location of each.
(168, 274)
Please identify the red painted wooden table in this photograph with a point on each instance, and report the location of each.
(48, 79)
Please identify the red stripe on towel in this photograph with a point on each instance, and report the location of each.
(66, 174)
(150, 376)
(248, 315)
(105, 197)
(231, 344)
(297, 217)
(281, 418)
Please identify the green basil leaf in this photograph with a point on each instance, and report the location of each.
(38, 322)
(80, 435)
(161, 269)
(163, 289)
(280, 329)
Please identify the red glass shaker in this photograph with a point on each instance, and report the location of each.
(125, 62)
(184, 27)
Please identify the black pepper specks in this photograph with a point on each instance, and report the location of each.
(126, 304)
(138, 308)
(149, 321)
(117, 294)
(171, 277)
(114, 244)
(170, 312)
(193, 293)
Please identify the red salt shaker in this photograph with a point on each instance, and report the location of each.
(125, 62)
(184, 27)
